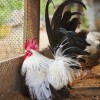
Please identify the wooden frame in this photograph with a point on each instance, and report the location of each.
(10, 76)
(33, 18)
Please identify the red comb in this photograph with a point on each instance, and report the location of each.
(31, 44)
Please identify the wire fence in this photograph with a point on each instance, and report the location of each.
(11, 28)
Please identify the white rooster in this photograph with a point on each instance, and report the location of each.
(42, 74)
(45, 77)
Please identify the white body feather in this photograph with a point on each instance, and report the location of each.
(59, 73)
(39, 71)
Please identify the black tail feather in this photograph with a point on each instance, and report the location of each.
(75, 50)
(48, 27)
(75, 67)
(64, 92)
(55, 96)
(81, 60)
(61, 27)
(73, 24)
(82, 34)
(67, 24)
(56, 20)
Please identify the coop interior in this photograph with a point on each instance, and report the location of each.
(22, 20)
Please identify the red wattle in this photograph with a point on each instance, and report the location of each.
(27, 54)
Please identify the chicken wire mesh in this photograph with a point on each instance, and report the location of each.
(11, 28)
(19, 19)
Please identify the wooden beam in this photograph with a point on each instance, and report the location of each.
(33, 19)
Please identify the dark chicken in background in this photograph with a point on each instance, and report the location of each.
(46, 78)
(93, 60)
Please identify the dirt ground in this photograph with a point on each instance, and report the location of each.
(90, 89)
(18, 96)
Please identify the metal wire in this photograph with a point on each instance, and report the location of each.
(11, 28)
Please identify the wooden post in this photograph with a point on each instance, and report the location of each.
(33, 19)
